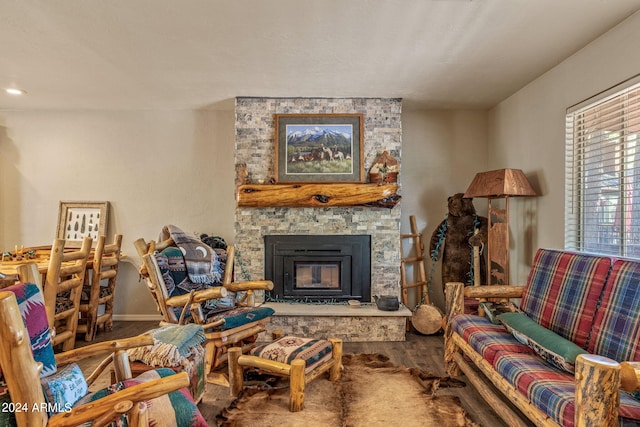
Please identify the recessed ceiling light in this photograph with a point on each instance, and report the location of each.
(14, 91)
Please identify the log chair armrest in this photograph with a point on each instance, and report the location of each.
(630, 376)
(103, 348)
(135, 394)
(198, 296)
(266, 285)
(494, 291)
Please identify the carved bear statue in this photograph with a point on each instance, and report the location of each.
(453, 238)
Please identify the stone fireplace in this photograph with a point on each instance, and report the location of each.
(255, 148)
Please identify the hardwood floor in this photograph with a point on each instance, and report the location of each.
(420, 351)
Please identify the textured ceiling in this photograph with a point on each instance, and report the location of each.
(167, 54)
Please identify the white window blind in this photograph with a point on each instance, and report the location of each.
(602, 186)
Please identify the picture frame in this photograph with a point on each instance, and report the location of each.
(319, 148)
(77, 220)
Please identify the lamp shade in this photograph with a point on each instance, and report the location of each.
(500, 183)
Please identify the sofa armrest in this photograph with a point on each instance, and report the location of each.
(494, 291)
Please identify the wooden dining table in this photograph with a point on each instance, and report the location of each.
(40, 256)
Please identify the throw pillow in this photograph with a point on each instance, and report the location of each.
(64, 388)
(553, 348)
(493, 309)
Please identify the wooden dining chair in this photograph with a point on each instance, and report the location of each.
(96, 303)
(62, 289)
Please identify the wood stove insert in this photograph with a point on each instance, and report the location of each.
(319, 267)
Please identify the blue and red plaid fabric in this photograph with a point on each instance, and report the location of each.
(553, 390)
(563, 290)
(485, 337)
(616, 327)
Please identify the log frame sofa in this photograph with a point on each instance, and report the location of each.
(591, 301)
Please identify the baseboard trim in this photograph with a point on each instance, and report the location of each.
(136, 317)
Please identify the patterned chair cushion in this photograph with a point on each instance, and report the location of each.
(174, 409)
(34, 316)
(563, 290)
(314, 352)
(239, 316)
(616, 330)
(105, 291)
(487, 338)
(558, 351)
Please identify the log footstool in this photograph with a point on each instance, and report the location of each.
(300, 359)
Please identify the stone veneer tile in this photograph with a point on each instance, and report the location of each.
(255, 147)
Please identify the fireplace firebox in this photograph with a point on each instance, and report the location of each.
(325, 267)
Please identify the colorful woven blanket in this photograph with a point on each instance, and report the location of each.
(198, 257)
(172, 344)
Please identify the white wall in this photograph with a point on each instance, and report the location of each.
(156, 168)
(526, 131)
(441, 153)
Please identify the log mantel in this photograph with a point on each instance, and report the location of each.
(317, 195)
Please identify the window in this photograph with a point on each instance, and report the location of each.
(602, 185)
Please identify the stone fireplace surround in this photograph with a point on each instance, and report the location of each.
(255, 148)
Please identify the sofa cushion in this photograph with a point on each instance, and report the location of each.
(556, 350)
(485, 337)
(552, 390)
(563, 290)
(616, 330)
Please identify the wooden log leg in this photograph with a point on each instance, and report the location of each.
(336, 355)
(296, 385)
(236, 375)
(454, 301)
(277, 334)
(597, 391)
(210, 355)
(121, 365)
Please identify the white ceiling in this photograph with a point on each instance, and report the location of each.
(170, 54)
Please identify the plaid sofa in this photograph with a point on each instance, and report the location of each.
(589, 302)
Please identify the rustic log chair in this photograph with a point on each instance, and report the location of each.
(281, 358)
(238, 327)
(99, 288)
(62, 290)
(31, 371)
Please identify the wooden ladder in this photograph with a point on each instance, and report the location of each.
(418, 262)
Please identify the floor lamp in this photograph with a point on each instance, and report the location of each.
(494, 185)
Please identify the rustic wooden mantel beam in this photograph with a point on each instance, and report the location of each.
(317, 195)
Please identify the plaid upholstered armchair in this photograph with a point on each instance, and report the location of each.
(223, 307)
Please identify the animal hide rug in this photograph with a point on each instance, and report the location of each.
(371, 392)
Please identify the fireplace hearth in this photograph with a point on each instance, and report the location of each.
(319, 268)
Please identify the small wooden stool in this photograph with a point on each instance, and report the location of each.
(300, 359)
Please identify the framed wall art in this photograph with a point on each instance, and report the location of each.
(319, 148)
(77, 220)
